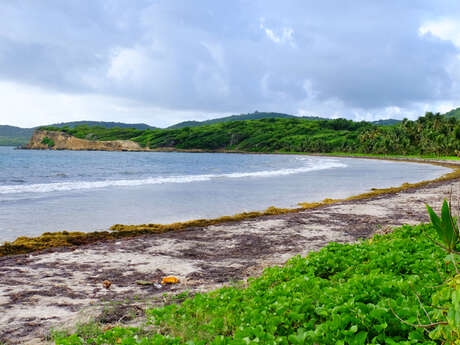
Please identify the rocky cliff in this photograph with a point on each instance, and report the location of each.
(50, 140)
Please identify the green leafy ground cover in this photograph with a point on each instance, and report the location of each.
(339, 295)
(429, 135)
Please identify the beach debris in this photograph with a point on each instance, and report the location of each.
(169, 280)
(106, 284)
(149, 282)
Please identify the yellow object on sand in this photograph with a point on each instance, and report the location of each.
(106, 284)
(169, 280)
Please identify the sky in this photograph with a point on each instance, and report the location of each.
(165, 61)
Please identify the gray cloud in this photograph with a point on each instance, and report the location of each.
(355, 58)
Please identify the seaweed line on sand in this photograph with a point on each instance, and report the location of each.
(49, 240)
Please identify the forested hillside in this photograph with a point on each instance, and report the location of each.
(431, 134)
(251, 116)
(104, 124)
(453, 113)
(388, 122)
(264, 115)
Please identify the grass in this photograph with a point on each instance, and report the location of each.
(49, 240)
(339, 295)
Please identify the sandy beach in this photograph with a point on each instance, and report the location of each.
(60, 287)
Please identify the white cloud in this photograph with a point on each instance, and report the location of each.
(392, 112)
(271, 35)
(446, 29)
(128, 65)
(284, 35)
(159, 61)
(30, 106)
(444, 107)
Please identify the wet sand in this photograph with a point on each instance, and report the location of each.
(58, 288)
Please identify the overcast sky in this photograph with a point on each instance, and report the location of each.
(165, 61)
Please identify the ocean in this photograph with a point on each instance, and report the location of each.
(46, 191)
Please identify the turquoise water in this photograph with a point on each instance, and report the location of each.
(85, 191)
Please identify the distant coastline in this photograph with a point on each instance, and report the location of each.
(270, 135)
(64, 141)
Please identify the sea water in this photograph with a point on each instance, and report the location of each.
(44, 191)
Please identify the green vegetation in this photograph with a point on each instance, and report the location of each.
(47, 141)
(266, 135)
(429, 135)
(389, 122)
(264, 115)
(432, 134)
(342, 294)
(99, 132)
(453, 113)
(102, 124)
(399, 288)
(447, 298)
(13, 136)
(250, 116)
(446, 227)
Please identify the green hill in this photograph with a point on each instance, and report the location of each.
(251, 116)
(432, 134)
(102, 124)
(264, 115)
(268, 134)
(304, 135)
(14, 136)
(388, 122)
(453, 113)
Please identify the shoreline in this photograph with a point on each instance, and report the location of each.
(332, 154)
(51, 240)
(60, 287)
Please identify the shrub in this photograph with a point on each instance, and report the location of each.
(47, 141)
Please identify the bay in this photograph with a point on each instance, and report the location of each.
(50, 191)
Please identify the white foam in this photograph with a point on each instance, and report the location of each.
(313, 165)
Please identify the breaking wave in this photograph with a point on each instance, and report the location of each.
(313, 165)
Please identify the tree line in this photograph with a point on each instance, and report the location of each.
(432, 134)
